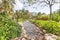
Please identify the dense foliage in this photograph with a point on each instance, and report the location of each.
(56, 16)
(51, 27)
(8, 28)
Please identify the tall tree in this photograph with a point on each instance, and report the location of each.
(50, 3)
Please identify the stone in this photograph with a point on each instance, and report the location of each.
(50, 37)
(16, 38)
(23, 39)
(25, 35)
(32, 39)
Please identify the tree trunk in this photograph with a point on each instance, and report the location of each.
(50, 12)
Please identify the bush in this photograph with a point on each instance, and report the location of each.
(51, 27)
(8, 28)
(44, 18)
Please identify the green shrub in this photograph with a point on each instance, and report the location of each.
(8, 28)
(51, 27)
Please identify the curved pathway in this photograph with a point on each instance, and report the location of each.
(31, 31)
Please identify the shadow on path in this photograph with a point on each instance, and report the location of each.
(31, 31)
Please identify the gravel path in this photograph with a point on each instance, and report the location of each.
(32, 32)
(30, 28)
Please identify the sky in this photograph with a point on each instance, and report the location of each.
(35, 8)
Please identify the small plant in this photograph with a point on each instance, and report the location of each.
(8, 28)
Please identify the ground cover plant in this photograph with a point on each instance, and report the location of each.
(8, 28)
